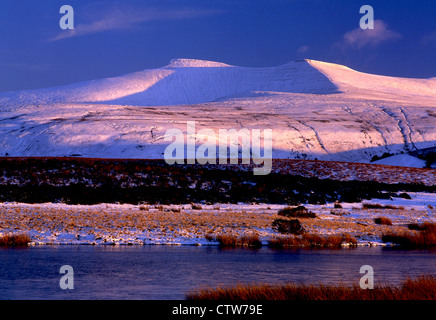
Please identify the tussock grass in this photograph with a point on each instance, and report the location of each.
(281, 242)
(383, 221)
(297, 212)
(230, 240)
(252, 240)
(426, 227)
(209, 237)
(411, 241)
(13, 240)
(423, 239)
(311, 241)
(292, 226)
(420, 288)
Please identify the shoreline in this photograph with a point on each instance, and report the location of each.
(363, 244)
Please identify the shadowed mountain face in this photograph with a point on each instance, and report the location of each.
(191, 82)
(314, 109)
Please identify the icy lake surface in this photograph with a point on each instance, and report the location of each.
(168, 272)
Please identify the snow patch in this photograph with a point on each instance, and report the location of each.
(402, 160)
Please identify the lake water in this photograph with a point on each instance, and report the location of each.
(168, 272)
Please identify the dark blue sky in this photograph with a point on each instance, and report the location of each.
(117, 37)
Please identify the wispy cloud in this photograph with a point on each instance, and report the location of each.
(359, 38)
(126, 17)
(303, 49)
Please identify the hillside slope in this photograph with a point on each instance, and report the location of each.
(316, 110)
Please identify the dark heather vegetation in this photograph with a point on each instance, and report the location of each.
(91, 181)
(419, 288)
(291, 226)
(404, 196)
(379, 206)
(297, 212)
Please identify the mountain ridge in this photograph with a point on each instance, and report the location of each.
(183, 81)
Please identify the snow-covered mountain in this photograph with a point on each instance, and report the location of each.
(183, 81)
(315, 110)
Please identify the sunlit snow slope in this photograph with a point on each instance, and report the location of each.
(315, 109)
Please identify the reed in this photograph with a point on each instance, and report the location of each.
(14, 240)
(419, 288)
(310, 240)
(230, 240)
(425, 238)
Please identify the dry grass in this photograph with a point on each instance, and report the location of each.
(292, 226)
(383, 221)
(423, 239)
(14, 240)
(297, 212)
(311, 241)
(420, 288)
(114, 222)
(209, 237)
(229, 240)
(144, 223)
(426, 227)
